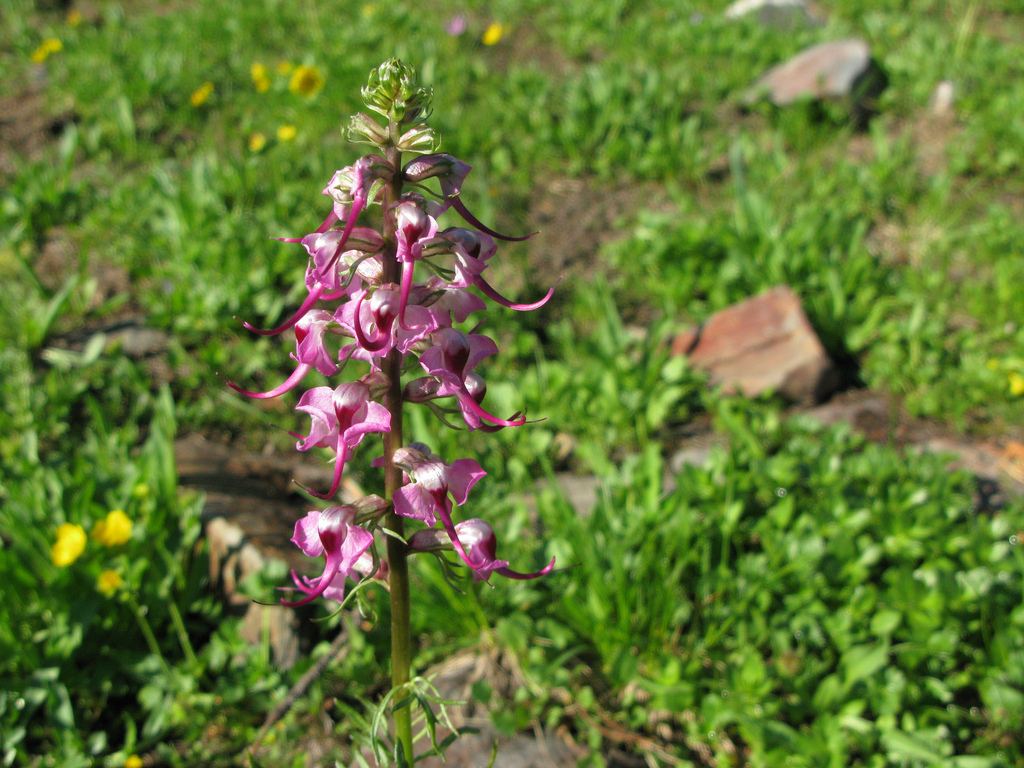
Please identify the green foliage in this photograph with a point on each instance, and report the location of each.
(805, 594)
(866, 617)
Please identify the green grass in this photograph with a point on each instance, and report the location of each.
(868, 616)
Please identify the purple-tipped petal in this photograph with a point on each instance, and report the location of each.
(457, 204)
(468, 403)
(489, 292)
(339, 467)
(311, 299)
(290, 383)
(508, 572)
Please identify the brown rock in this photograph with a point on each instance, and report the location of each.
(764, 344)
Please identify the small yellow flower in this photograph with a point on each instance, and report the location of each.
(368, 10)
(306, 81)
(48, 46)
(257, 141)
(69, 546)
(133, 761)
(284, 67)
(202, 94)
(259, 77)
(74, 18)
(493, 34)
(108, 583)
(114, 529)
(286, 133)
(1016, 384)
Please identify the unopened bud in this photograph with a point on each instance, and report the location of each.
(377, 382)
(363, 129)
(421, 390)
(392, 91)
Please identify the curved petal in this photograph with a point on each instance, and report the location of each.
(469, 404)
(311, 299)
(489, 292)
(456, 203)
(289, 384)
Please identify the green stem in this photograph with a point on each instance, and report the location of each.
(147, 631)
(401, 631)
(179, 627)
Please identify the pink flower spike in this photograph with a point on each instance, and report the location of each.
(331, 533)
(311, 299)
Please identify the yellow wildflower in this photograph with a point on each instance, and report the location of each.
(1016, 384)
(202, 94)
(114, 529)
(48, 46)
(257, 141)
(69, 546)
(286, 133)
(260, 77)
(368, 10)
(493, 34)
(133, 761)
(74, 18)
(284, 67)
(306, 81)
(108, 583)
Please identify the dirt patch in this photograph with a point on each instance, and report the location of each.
(28, 126)
(574, 219)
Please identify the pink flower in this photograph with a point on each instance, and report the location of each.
(450, 359)
(333, 534)
(375, 330)
(310, 352)
(456, 25)
(479, 546)
(426, 497)
(340, 417)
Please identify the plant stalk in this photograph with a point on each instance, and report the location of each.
(401, 631)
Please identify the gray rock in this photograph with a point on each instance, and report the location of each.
(777, 14)
(842, 70)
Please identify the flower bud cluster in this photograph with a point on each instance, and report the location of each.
(389, 302)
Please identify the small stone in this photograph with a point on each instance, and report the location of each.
(942, 98)
(840, 70)
(777, 14)
(765, 344)
(233, 558)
